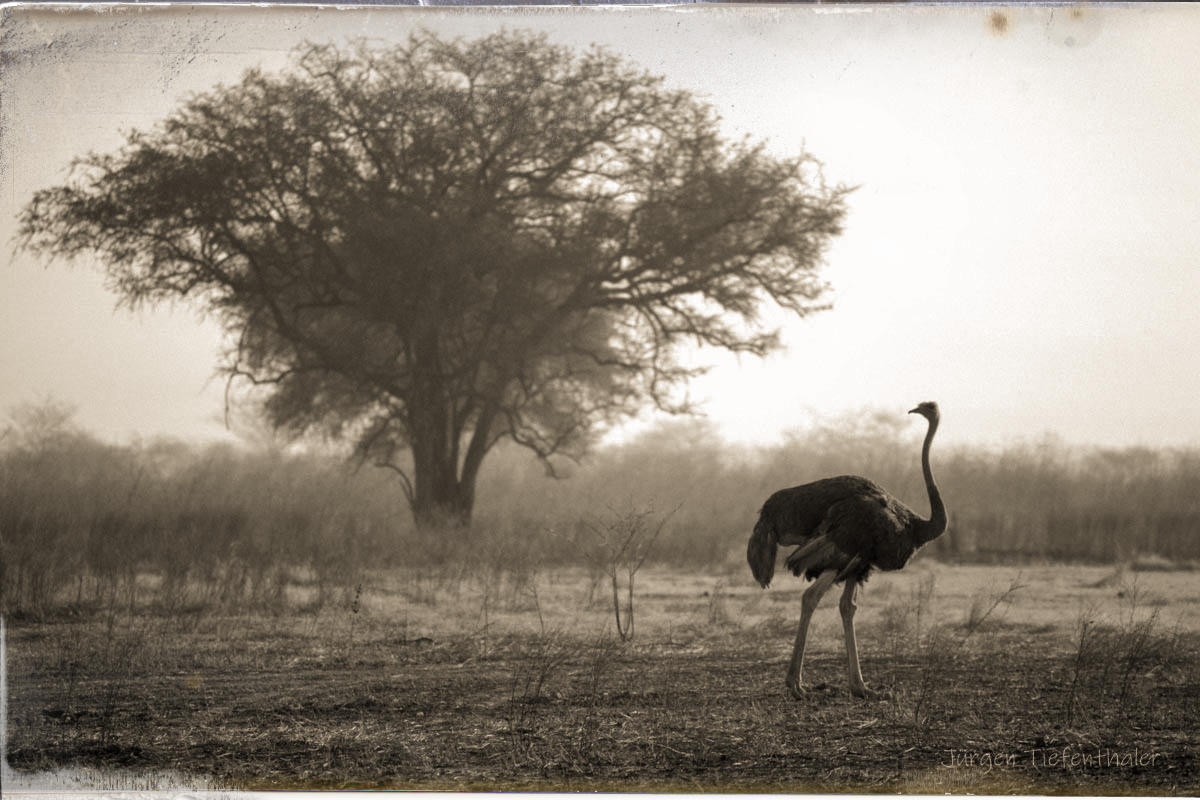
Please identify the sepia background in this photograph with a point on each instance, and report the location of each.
(1020, 247)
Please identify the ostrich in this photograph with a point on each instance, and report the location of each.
(845, 526)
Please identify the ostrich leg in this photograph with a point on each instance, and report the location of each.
(808, 604)
(848, 607)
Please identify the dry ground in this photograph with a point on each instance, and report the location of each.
(1036, 680)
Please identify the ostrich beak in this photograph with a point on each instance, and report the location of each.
(914, 410)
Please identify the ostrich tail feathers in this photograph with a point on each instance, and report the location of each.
(760, 553)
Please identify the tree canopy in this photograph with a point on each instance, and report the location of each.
(431, 247)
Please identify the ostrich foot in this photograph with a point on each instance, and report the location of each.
(798, 690)
(862, 692)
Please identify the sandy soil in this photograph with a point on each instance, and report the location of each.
(1032, 679)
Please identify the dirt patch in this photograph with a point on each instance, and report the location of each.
(1097, 705)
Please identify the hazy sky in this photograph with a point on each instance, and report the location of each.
(1022, 248)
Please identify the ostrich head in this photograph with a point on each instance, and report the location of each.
(928, 410)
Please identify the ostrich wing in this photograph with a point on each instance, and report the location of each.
(875, 527)
(796, 514)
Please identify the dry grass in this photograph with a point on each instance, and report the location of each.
(403, 685)
(234, 527)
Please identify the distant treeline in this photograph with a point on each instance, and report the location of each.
(1040, 499)
(86, 522)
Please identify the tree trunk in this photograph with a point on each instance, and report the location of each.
(443, 491)
(439, 498)
(449, 509)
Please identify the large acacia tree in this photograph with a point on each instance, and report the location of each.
(429, 248)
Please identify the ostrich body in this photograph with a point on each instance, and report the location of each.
(845, 526)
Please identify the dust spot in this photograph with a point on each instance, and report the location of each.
(1076, 26)
(998, 23)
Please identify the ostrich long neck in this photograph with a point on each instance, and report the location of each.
(935, 526)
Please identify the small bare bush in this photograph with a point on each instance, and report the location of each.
(1111, 660)
(718, 614)
(922, 598)
(986, 602)
(543, 660)
(618, 546)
